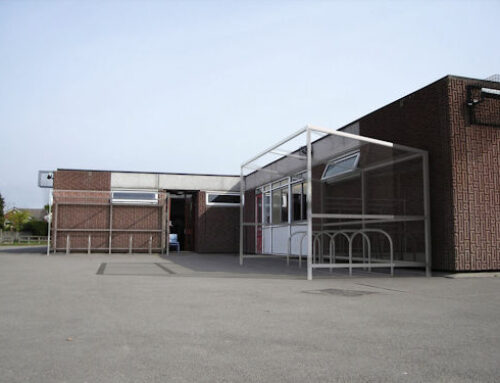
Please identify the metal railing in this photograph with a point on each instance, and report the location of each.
(22, 239)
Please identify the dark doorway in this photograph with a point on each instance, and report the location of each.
(182, 217)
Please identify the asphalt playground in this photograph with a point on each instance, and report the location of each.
(204, 318)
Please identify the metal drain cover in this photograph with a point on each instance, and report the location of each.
(340, 292)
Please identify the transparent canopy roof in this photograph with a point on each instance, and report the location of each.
(336, 149)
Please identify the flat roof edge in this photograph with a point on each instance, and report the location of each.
(448, 76)
(148, 172)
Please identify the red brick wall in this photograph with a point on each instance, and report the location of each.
(82, 180)
(80, 210)
(84, 211)
(136, 218)
(216, 228)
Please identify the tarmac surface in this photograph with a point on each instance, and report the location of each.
(203, 318)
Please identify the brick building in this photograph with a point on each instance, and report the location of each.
(456, 120)
(110, 211)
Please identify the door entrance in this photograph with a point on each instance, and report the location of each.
(182, 217)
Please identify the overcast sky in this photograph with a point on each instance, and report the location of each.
(201, 86)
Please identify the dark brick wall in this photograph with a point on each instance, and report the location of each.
(464, 168)
(421, 120)
(249, 216)
(486, 110)
(475, 151)
(216, 228)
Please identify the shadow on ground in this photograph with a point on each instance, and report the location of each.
(272, 267)
(24, 249)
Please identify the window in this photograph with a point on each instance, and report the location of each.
(280, 205)
(284, 205)
(280, 183)
(223, 199)
(341, 166)
(299, 201)
(267, 210)
(135, 197)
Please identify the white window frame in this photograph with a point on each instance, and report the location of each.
(334, 161)
(207, 193)
(134, 201)
(268, 188)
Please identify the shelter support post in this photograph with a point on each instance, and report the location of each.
(168, 202)
(49, 222)
(242, 193)
(289, 205)
(163, 226)
(427, 216)
(363, 208)
(110, 224)
(55, 228)
(309, 205)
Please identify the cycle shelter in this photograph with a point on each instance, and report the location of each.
(337, 200)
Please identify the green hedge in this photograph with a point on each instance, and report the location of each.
(36, 227)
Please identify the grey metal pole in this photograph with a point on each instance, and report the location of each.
(242, 193)
(50, 223)
(110, 224)
(55, 227)
(290, 201)
(130, 244)
(427, 215)
(309, 205)
(68, 245)
(168, 224)
(163, 223)
(89, 244)
(363, 209)
(150, 244)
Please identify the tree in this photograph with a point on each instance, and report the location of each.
(36, 227)
(2, 205)
(17, 218)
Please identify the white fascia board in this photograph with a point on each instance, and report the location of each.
(132, 181)
(199, 182)
(147, 181)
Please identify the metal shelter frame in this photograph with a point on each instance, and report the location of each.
(305, 153)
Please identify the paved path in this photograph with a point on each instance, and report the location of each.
(61, 321)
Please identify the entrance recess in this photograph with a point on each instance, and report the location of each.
(182, 217)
